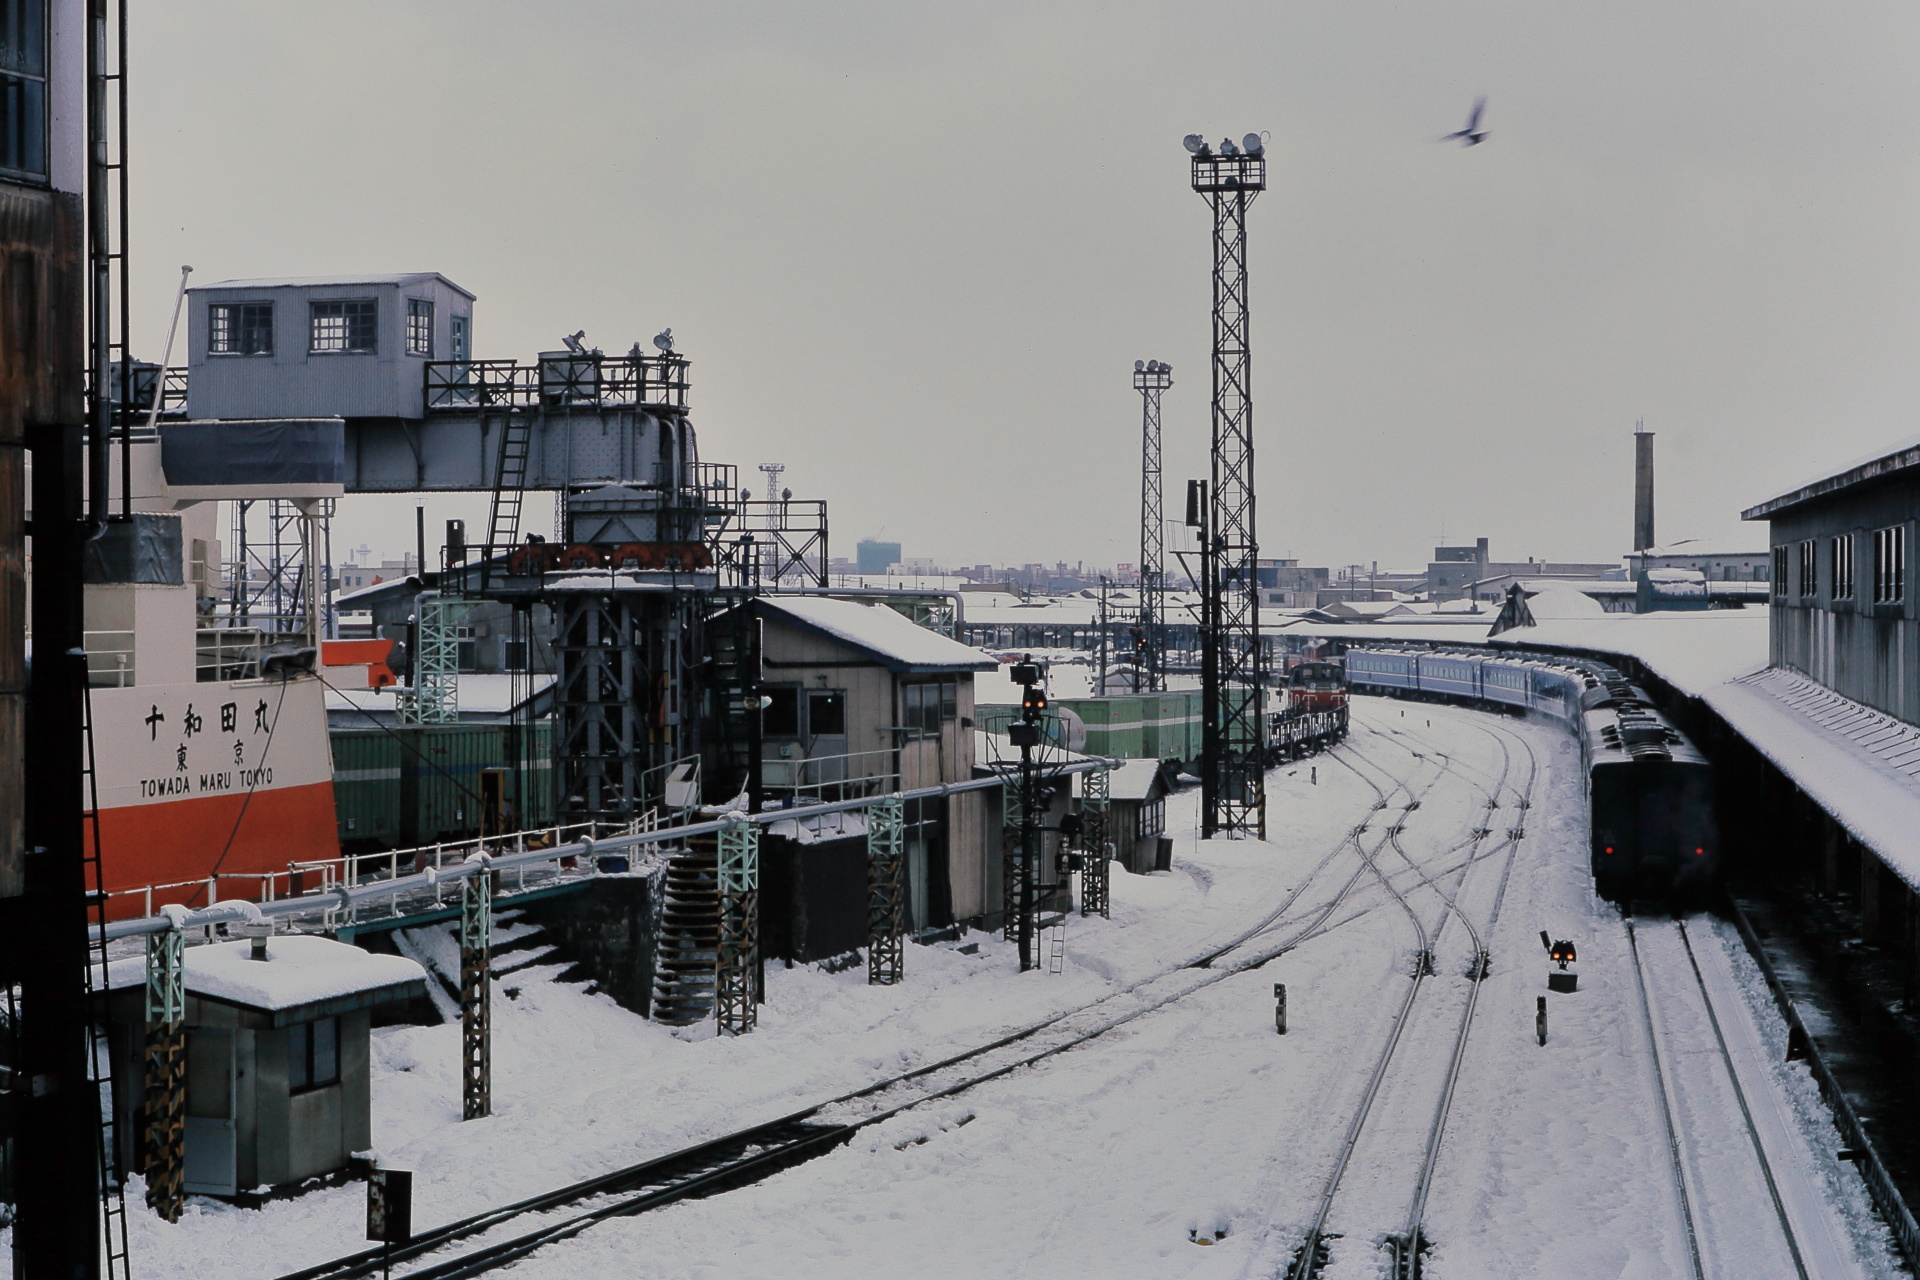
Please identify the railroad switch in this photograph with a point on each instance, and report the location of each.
(1412, 805)
(1424, 964)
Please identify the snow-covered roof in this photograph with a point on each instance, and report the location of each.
(1903, 456)
(1697, 547)
(301, 970)
(1134, 780)
(1692, 650)
(1558, 601)
(899, 643)
(295, 282)
(1861, 765)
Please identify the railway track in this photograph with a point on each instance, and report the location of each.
(1408, 1246)
(498, 1237)
(1681, 1013)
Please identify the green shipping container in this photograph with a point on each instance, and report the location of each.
(420, 784)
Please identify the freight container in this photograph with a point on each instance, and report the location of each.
(412, 785)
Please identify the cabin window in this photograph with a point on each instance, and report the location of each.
(929, 704)
(1780, 571)
(420, 327)
(457, 333)
(240, 329)
(1809, 570)
(1843, 567)
(313, 1054)
(1890, 565)
(1153, 820)
(23, 87)
(347, 326)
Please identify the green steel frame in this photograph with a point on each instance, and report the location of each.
(738, 967)
(476, 993)
(886, 892)
(166, 1073)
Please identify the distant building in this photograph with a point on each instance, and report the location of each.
(1736, 560)
(876, 557)
(1452, 573)
(1285, 584)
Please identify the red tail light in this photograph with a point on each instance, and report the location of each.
(1700, 850)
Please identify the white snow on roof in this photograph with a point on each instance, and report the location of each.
(1557, 602)
(294, 282)
(1132, 780)
(1692, 650)
(1754, 546)
(881, 631)
(1861, 765)
(301, 970)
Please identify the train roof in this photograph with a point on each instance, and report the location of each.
(1630, 731)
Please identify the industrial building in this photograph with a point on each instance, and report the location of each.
(1453, 571)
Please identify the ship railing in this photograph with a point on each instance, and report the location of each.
(109, 659)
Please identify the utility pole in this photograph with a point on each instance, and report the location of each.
(1150, 379)
(1230, 179)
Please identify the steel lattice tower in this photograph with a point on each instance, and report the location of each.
(1234, 797)
(1150, 674)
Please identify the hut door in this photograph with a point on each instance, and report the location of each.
(210, 1114)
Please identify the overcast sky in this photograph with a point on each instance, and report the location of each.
(913, 250)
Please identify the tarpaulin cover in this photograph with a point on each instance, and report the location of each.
(143, 549)
(253, 451)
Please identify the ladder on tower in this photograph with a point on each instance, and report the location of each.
(509, 486)
(113, 1197)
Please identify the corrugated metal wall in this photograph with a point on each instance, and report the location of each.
(418, 784)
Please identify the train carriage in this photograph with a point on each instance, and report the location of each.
(1650, 791)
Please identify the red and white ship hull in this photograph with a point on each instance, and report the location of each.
(227, 779)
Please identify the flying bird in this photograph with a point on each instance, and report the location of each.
(1473, 135)
(664, 340)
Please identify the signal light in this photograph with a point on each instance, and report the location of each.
(1609, 848)
(1702, 849)
(1033, 700)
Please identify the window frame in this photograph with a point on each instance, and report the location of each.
(31, 124)
(1809, 568)
(459, 338)
(1890, 565)
(419, 309)
(1841, 562)
(227, 325)
(346, 319)
(304, 1055)
(1780, 572)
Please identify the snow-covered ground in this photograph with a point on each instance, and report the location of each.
(1192, 1141)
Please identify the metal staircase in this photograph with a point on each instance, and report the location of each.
(687, 943)
(509, 486)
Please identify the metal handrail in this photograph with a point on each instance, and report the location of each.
(345, 898)
(584, 380)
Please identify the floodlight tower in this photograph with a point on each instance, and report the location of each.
(772, 471)
(1150, 378)
(1233, 792)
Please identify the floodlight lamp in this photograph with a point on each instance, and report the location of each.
(1140, 366)
(1227, 148)
(1253, 145)
(1195, 143)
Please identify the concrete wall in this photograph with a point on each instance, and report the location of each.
(608, 931)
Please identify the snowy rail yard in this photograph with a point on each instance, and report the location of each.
(1162, 1127)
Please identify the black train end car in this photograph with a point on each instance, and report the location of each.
(1654, 833)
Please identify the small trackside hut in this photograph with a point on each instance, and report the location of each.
(862, 702)
(1137, 816)
(278, 1076)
